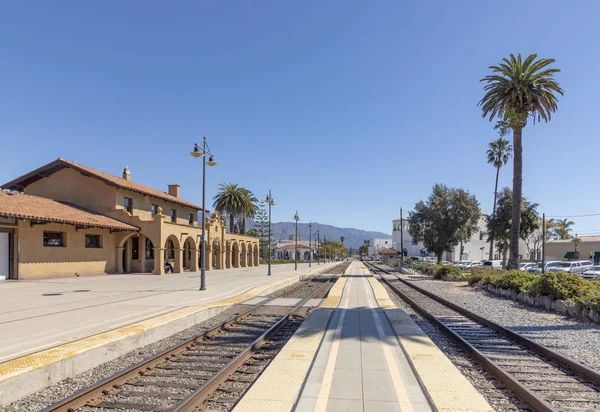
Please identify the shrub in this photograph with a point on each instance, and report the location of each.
(560, 285)
(517, 279)
(448, 272)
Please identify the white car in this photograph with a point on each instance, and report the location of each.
(493, 264)
(592, 273)
(475, 265)
(572, 267)
(538, 266)
(464, 264)
(527, 265)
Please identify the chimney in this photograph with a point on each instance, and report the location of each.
(126, 174)
(174, 190)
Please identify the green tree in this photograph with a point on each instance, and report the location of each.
(515, 90)
(563, 228)
(444, 220)
(253, 232)
(262, 226)
(498, 154)
(249, 208)
(230, 199)
(342, 238)
(499, 224)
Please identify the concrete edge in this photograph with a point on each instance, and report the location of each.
(31, 373)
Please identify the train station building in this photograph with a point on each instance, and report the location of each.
(66, 219)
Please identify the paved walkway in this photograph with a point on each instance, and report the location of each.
(39, 314)
(360, 366)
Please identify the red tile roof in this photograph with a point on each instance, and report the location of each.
(293, 246)
(389, 251)
(18, 205)
(21, 182)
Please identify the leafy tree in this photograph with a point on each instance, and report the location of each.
(498, 154)
(249, 209)
(536, 238)
(342, 238)
(563, 228)
(253, 232)
(444, 220)
(499, 225)
(515, 90)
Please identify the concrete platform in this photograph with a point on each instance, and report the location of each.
(358, 352)
(57, 328)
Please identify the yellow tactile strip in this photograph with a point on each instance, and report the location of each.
(335, 293)
(37, 360)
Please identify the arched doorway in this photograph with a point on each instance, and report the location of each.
(189, 247)
(256, 257)
(249, 261)
(216, 250)
(243, 256)
(235, 255)
(172, 254)
(228, 255)
(306, 255)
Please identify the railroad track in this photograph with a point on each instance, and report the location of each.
(543, 379)
(207, 371)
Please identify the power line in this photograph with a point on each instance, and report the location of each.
(592, 214)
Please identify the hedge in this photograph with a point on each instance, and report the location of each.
(446, 272)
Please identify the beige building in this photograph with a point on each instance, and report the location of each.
(67, 219)
(587, 249)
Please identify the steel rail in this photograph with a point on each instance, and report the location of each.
(106, 386)
(527, 395)
(194, 401)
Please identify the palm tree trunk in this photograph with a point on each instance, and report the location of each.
(231, 222)
(513, 262)
(494, 214)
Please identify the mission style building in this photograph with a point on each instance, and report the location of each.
(67, 219)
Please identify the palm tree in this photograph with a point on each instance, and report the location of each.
(249, 209)
(516, 90)
(498, 154)
(230, 199)
(342, 238)
(563, 228)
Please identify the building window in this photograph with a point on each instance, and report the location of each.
(154, 209)
(128, 204)
(191, 218)
(54, 239)
(173, 216)
(93, 242)
(149, 249)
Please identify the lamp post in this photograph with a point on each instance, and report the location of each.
(296, 218)
(202, 151)
(318, 247)
(270, 201)
(325, 248)
(310, 244)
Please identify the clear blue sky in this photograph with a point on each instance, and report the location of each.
(347, 110)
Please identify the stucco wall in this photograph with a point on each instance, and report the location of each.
(556, 250)
(39, 261)
(69, 185)
(142, 207)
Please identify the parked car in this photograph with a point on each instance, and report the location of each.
(474, 265)
(527, 265)
(572, 267)
(538, 266)
(464, 264)
(592, 273)
(493, 264)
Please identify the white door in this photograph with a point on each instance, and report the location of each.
(3, 256)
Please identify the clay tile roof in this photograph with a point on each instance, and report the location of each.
(389, 251)
(21, 182)
(18, 205)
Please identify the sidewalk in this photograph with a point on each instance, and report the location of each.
(44, 313)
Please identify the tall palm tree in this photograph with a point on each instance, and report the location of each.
(249, 208)
(516, 90)
(498, 154)
(230, 199)
(563, 228)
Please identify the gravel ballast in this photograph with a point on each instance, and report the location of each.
(575, 339)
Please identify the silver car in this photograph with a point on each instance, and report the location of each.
(572, 267)
(538, 266)
(593, 273)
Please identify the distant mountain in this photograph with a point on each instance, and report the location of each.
(353, 237)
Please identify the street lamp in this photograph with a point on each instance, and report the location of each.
(310, 253)
(202, 151)
(296, 218)
(325, 248)
(270, 202)
(318, 247)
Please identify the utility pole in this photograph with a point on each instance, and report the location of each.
(543, 242)
(401, 238)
